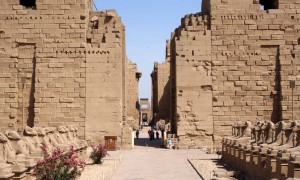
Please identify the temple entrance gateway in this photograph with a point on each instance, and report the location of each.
(144, 119)
(145, 112)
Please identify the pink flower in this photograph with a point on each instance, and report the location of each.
(74, 156)
(58, 162)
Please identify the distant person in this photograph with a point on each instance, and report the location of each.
(169, 143)
(162, 133)
(149, 133)
(137, 133)
(157, 135)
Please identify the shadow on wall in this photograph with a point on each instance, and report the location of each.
(31, 115)
(164, 104)
(26, 73)
(276, 115)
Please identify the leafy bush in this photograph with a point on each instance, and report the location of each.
(59, 165)
(98, 154)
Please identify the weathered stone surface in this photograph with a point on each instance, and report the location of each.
(233, 61)
(132, 100)
(64, 64)
(191, 62)
(161, 90)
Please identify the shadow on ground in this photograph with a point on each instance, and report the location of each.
(145, 142)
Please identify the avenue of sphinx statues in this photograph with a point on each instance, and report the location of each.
(20, 154)
(264, 150)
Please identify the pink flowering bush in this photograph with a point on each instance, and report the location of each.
(59, 165)
(98, 154)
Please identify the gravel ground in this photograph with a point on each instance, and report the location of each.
(207, 165)
(99, 171)
(204, 167)
(103, 171)
(202, 162)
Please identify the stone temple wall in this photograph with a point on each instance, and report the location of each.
(161, 89)
(104, 67)
(154, 91)
(234, 61)
(132, 120)
(162, 71)
(66, 64)
(254, 56)
(191, 60)
(132, 92)
(42, 46)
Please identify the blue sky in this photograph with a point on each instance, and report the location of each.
(149, 24)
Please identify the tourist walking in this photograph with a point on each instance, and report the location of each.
(169, 143)
(157, 135)
(137, 133)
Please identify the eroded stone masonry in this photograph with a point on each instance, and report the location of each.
(64, 64)
(234, 61)
(161, 90)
